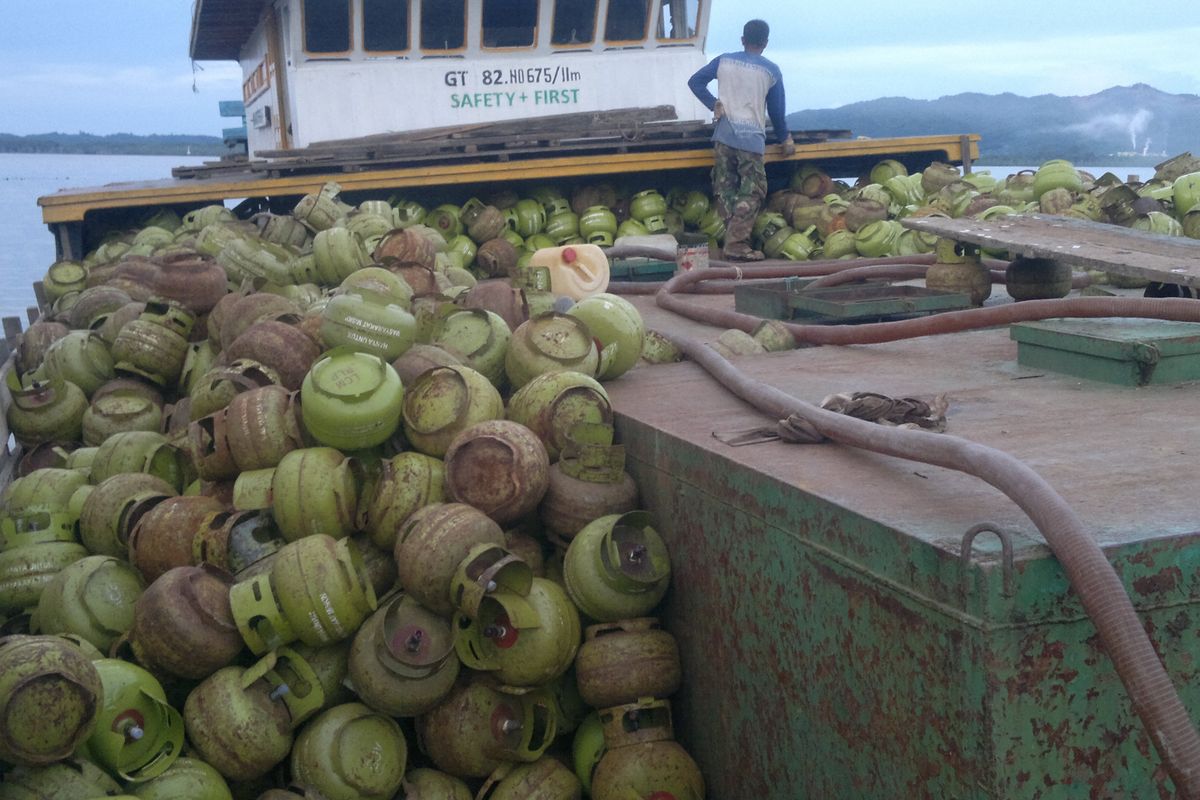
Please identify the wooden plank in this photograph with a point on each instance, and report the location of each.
(8, 455)
(403, 149)
(1080, 243)
(12, 330)
(498, 148)
(575, 120)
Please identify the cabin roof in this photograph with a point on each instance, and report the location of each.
(221, 27)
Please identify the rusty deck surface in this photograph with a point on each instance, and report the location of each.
(1123, 458)
(837, 630)
(1080, 243)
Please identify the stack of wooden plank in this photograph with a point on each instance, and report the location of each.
(619, 131)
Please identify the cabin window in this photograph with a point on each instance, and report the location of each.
(385, 25)
(574, 22)
(443, 24)
(677, 19)
(626, 20)
(509, 23)
(327, 26)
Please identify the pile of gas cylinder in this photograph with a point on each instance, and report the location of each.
(817, 216)
(309, 510)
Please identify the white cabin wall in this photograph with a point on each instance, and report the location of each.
(344, 100)
(348, 97)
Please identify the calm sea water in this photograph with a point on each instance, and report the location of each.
(27, 248)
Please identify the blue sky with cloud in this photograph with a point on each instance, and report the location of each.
(122, 65)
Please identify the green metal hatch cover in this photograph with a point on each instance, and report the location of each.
(1121, 350)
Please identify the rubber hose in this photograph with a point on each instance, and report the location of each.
(754, 273)
(1180, 309)
(1091, 575)
(901, 272)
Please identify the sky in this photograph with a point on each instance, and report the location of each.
(110, 66)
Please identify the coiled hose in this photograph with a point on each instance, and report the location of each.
(1091, 575)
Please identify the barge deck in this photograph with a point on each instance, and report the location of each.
(851, 649)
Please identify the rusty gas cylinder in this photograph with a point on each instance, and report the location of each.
(403, 484)
(35, 341)
(95, 305)
(275, 343)
(420, 358)
(182, 624)
(111, 510)
(478, 727)
(552, 405)
(350, 751)
(118, 411)
(1037, 278)
(235, 541)
(498, 296)
(162, 537)
(958, 269)
(641, 757)
(154, 346)
(433, 542)
(92, 598)
(402, 661)
(241, 720)
(497, 258)
(237, 313)
(216, 387)
(445, 401)
(316, 590)
(499, 467)
(50, 694)
(622, 662)
(434, 784)
(207, 441)
(315, 490)
(405, 247)
(194, 281)
(589, 481)
(110, 324)
(142, 451)
(262, 426)
(544, 779)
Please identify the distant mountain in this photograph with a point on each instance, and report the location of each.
(1124, 124)
(113, 144)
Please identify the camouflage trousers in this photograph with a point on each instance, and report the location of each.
(739, 187)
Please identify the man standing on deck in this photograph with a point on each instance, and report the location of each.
(750, 88)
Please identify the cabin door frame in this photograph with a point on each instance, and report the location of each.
(276, 58)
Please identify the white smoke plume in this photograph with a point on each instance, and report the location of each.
(1134, 124)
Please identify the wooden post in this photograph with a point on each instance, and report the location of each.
(964, 144)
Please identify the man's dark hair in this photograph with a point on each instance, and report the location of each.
(756, 32)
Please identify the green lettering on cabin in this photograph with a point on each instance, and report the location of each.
(540, 97)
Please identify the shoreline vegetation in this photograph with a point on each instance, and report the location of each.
(116, 144)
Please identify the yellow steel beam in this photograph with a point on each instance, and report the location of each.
(70, 205)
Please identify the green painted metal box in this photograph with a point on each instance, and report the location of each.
(840, 642)
(1125, 351)
(791, 299)
(640, 269)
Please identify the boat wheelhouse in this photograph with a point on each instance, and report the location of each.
(320, 70)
